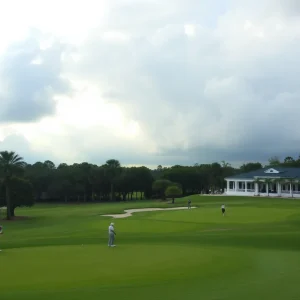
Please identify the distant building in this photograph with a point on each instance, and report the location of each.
(275, 182)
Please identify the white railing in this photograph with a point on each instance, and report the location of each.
(245, 190)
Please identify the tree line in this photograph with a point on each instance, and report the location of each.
(23, 184)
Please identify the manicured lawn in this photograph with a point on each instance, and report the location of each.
(61, 251)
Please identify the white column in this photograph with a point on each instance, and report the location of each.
(291, 188)
(235, 185)
(279, 189)
(256, 188)
(228, 185)
(245, 186)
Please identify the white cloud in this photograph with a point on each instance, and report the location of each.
(189, 80)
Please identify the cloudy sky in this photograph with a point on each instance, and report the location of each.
(150, 82)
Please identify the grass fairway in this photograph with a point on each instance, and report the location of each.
(61, 251)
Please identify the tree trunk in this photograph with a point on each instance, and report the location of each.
(124, 196)
(173, 200)
(12, 210)
(8, 205)
(136, 195)
(112, 192)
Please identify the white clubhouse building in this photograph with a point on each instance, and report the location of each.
(273, 182)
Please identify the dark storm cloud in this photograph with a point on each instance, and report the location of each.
(225, 88)
(211, 93)
(30, 77)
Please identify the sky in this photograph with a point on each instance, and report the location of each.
(150, 82)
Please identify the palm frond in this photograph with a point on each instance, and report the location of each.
(10, 162)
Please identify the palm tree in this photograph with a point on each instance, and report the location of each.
(225, 164)
(10, 164)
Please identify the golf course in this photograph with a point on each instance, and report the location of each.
(60, 250)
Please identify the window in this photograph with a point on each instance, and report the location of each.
(250, 186)
(241, 185)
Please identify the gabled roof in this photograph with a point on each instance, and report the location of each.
(276, 172)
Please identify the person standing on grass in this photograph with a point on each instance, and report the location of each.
(189, 203)
(223, 209)
(111, 235)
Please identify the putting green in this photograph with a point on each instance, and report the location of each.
(174, 270)
(85, 266)
(62, 252)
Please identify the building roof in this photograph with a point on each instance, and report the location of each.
(276, 172)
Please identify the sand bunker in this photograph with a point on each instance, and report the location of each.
(129, 212)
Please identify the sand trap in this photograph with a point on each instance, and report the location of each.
(129, 212)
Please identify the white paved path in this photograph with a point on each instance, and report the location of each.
(129, 212)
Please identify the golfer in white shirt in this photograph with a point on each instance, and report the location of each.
(111, 235)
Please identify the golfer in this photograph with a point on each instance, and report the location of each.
(111, 235)
(189, 203)
(223, 209)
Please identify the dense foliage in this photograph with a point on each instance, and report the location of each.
(87, 182)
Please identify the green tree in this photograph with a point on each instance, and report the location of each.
(173, 191)
(40, 175)
(62, 189)
(10, 164)
(225, 164)
(160, 186)
(144, 180)
(245, 168)
(49, 165)
(113, 169)
(274, 161)
(124, 182)
(288, 160)
(84, 176)
(21, 193)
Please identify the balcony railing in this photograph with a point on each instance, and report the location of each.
(244, 190)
